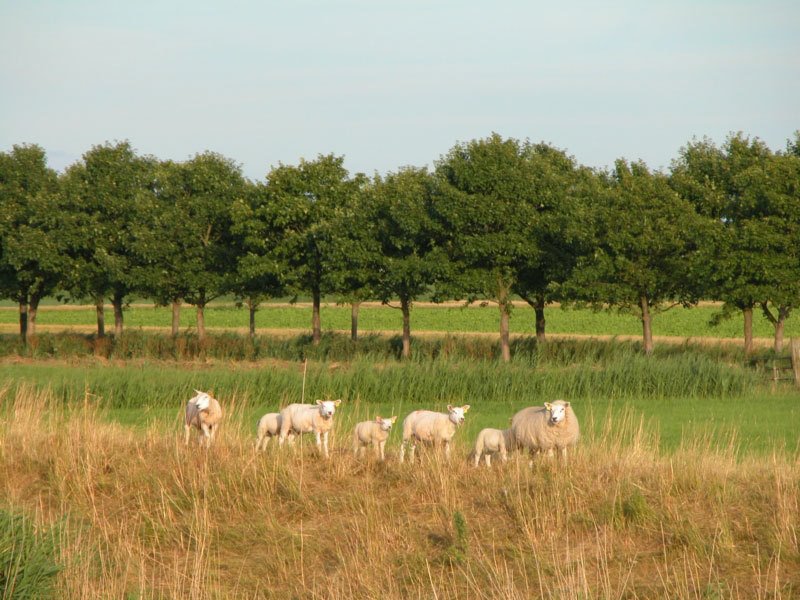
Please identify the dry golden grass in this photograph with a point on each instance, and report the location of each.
(146, 517)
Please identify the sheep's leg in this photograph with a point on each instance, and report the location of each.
(446, 449)
(286, 427)
(402, 451)
(488, 458)
(206, 434)
(381, 446)
(503, 454)
(476, 458)
(412, 450)
(564, 453)
(550, 453)
(188, 430)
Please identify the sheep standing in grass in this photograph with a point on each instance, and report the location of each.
(372, 432)
(431, 428)
(204, 414)
(492, 441)
(307, 418)
(269, 426)
(553, 426)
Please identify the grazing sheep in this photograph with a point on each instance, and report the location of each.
(307, 418)
(372, 432)
(545, 428)
(204, 414)
(269, 426)
(492, 441)
(431, 428)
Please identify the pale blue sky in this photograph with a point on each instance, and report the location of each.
(394, 83)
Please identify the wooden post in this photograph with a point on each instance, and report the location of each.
(796, 360)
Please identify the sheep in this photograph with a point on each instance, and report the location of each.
(432, 428)
(204, 414)
(544, 428)
(372, 432)
(492, 441)
(269, 426)
(305, 418)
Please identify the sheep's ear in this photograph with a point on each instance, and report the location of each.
(319, 402)
(337, 402)
(378, 419)
(465, 408)
(449, 408)
(548, 406)
(566, 404)
(394, 418)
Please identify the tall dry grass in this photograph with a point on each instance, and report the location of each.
(144, 517)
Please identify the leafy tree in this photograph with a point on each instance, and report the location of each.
(190, 251)
(748, 195)
(32, 238)
(561, 191)
(488, 204)
(258, 274)
(645, 247)
(311, 204)
(409, 258)
(110, 195)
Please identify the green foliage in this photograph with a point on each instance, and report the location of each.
(28, 559)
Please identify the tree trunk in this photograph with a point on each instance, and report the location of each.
(316, 327)
(116, 301)
(23, 320)
(647, 332)
(748, 330)
(354, 320)
(505, 347)
(201, 321)
(33, 309)
(253, 307)
(176, 317)
(540, 321)
(99, 309)
(405, 308)
(779, 335)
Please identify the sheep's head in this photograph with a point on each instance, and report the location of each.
(457, 413)
(201, 400)
(386, 424)
(558, 411)
(328, 407)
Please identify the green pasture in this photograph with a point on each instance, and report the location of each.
(678, 321)
(668, 397)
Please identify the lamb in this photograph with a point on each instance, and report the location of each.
(372, 432)
(307, 418)
(545, 428)
(269, 426)
(204, 414)
(432, 428)
(492, 441)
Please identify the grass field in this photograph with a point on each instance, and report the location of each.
(686, 483)
(681, 322)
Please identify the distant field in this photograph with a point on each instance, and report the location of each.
(678, 321)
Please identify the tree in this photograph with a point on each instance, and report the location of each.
(748, 197)
(311, 203)
(561, 191)
(409, 258)
(110, 195)
(489, 206)
(258, 274)
(190, 250)
(32, 239)
(646, 237)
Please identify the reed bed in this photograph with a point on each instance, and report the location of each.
(142, 516)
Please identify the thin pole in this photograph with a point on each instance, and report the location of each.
(303, 396)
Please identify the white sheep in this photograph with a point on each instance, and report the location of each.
(372, 432)
(431, 428)
(204, 414)
(307, 418)
(269, 426)
(545, 428)
(492, 441)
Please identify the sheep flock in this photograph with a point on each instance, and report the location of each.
(544, 429)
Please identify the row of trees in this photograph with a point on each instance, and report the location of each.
(495, 219)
